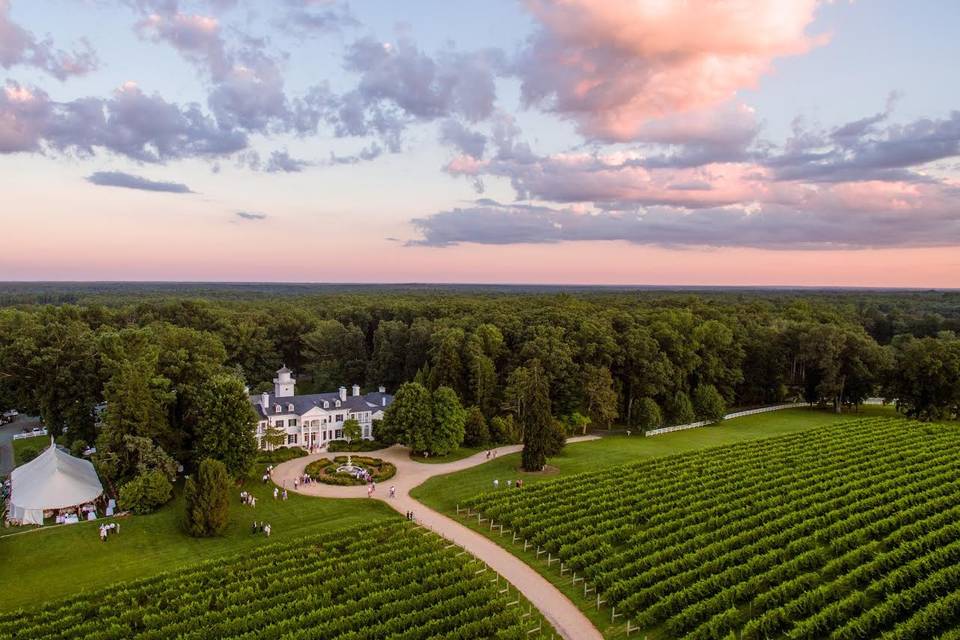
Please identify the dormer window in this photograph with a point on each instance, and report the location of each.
(326, 404)
(290, 408)
(276, 408)
(338, 403)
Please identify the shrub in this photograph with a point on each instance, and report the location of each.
(504, 430)
(146, 492)
(335, 446)
(208, 500)
(279, 455)
(647, 414)
(476, 433)
(77, 448)
(681, 409)
(26, 454)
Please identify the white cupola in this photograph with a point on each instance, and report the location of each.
(284, 386)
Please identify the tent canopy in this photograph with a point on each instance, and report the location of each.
(52, 480)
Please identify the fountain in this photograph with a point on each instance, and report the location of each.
(349, 467)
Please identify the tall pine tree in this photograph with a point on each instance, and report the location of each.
(536, 419)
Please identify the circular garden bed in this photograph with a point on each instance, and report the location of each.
(325, 470)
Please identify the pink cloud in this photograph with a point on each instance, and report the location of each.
(615, 65)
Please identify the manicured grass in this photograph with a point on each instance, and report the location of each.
(457, 454)
(444, 492)
(38, 444)
(58, 561)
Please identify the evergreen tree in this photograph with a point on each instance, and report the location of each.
(537, 422)
(225, 424)
(207, 500)
(476, 433)
(555, 440)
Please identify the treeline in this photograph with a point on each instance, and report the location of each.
(640, 360)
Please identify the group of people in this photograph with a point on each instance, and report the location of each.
(410, 516)
(261, 527)
(304, 479)
(267, 474)
(107, 529)
(492, 453)
(278, 494)
(510, 483)
(248, 498)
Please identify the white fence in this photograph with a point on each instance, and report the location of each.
(30, 434)
(737, 414)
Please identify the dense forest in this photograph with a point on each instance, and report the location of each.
(636, 358)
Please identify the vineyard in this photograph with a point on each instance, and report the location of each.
(391, 580)
(850, 531)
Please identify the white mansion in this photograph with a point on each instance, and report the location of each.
(311, 421)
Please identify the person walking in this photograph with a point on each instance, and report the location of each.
(276, 493)
(393, 491)
(496, 483)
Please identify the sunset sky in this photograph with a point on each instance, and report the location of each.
(715, 142)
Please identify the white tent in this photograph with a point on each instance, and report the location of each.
(52, 480)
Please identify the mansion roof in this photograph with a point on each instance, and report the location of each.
(303, 403)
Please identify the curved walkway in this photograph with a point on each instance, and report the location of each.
(563, 614)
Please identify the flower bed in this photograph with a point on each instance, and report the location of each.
(325, 470)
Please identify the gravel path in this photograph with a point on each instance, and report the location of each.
(568, 620)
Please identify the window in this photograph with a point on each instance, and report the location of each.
(276, 409)
(292, 422)
(292, 438)
(339, 433)
(326, 405)
(338, 403)
(278, 423)
(289, 408)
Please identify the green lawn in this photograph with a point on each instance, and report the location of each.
(57, 561)
(444, 492)
(38, 444)
(457, 454)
